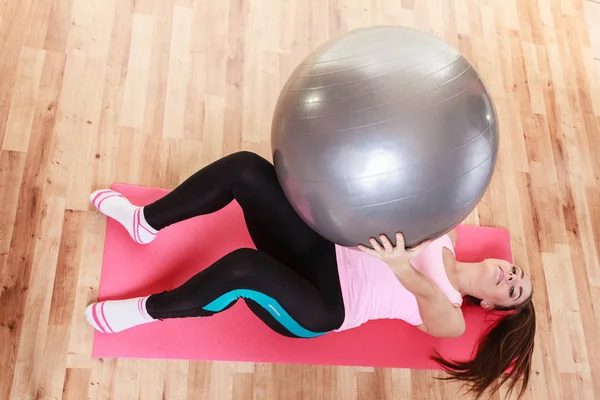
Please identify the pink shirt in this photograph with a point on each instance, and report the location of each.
(371, 290)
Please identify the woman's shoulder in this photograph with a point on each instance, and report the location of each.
(449, 261)
(452, 235)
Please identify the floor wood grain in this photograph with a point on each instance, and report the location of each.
(145, 92)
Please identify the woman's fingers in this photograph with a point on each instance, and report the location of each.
(400, 240)
(386, 243)
(388, 252)
(368, 251)
(376, 245)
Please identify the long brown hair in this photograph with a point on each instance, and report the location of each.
(507, 344)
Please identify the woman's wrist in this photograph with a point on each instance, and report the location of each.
(401, 266)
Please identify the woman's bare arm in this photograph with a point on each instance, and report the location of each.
(440, 317)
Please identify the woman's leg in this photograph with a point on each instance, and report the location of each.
(283, 299)
(245, 177)
(250, 180)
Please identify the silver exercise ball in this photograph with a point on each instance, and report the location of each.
(385, 129)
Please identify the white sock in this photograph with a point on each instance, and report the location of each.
(116, 206)
(117, 315)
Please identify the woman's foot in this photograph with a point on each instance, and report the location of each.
(117, 315)
(116, 206)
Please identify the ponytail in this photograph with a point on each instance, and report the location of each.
(504, 351)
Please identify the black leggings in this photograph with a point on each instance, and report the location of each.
(290, 282)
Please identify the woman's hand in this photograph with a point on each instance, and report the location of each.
(394, 256)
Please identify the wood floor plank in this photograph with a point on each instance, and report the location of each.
(113, 96)
(59, 24)
(88, 266)
(12, 166)
(76, 384)
(90, 29)
(180, 64)
(36, 24)
(38, 295)
(54, 372)
(102, 379)
(138, 69)
(20, 115)
(592, 14)
(157, 82)
(75, 115)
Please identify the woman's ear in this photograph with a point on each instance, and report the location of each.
(487, 305)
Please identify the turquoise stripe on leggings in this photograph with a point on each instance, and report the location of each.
(266, 302)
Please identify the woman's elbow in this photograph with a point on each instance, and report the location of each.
(454, 333)
(448, 331)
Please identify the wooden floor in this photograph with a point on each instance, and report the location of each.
(147, 91)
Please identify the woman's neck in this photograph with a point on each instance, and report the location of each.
(465, 273)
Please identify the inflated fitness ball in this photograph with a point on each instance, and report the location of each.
(385, 129)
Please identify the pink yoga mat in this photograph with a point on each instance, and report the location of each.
(182, 250)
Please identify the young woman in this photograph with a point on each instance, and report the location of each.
(303, 286)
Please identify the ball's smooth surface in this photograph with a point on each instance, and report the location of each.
(385, 129)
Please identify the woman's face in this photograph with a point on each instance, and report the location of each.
(500, 283)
